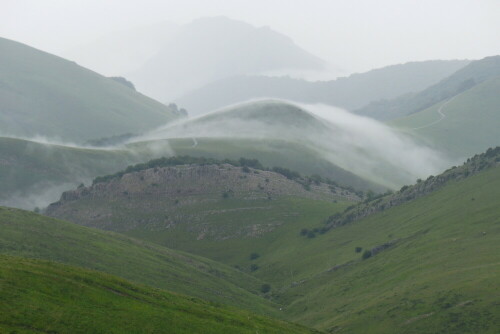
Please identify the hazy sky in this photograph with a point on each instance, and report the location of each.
(356, 35)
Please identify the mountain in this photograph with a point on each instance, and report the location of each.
(353, 92)
(124, 51)
(461, 126)
(30, 235)
(214, 48)
(41, 296)
(44, 95)
(469, 76)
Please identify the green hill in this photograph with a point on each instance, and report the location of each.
(44, 95)
(203, 208)
(428, 265)
(40, 296)
(353, 92)
(462, 126)
(31, 235)
(471, 75)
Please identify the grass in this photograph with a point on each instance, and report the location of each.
(440, 276)
(31, 235)
(40, 296)
(46, 95)
(470, 125)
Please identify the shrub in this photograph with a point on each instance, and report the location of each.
(304, 231)
(311, 234)
(254, 256)
(265, 288)
(358, 249)
(245, 169)
(254, 267)
(367, 254)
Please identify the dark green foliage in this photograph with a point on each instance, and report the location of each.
(254, 256)
(311, 234)
(286, 173)
(304, 231)
(253, 267)
(366, 254)
(265, 288)
(124, 82)
(358, 249)
(245, 169)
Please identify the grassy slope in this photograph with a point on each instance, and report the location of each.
(441, 276)
(470, 125)
(30, 235)
(42, 94)
(39, 296)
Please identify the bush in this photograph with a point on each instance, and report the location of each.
(254, 256)
(367, 254)
(304, 231)
(245, 169)
(254, 267)
(311, 235)
(358, 249)
(265, 288)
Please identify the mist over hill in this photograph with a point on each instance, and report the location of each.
(214, 48)
(364, 147)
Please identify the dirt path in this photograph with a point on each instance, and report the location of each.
(441, 115)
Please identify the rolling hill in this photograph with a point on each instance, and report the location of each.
(202, 206)
(30, 235)
(40, 296)
(465, 78)
(461, 126)
(353, 92)
(44, 95)
(424, 259)
(360, 151)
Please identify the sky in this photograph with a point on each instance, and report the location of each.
(353, 35)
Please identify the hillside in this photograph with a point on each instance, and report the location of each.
(461, 126)
(201, 207)
(464, 79)
(352, 92)
(31, 235)
(213, 48)
(44, 95)
(40, 296)
(428, 265)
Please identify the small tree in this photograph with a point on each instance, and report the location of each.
(367, 254)
(265, 288)
(358, 249)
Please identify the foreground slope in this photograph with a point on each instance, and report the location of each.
(41, 94)
(353, 92)
(40, 296)
(461, 126)
(31, 235)
(430, 264)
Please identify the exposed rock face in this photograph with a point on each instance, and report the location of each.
(163, 197)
